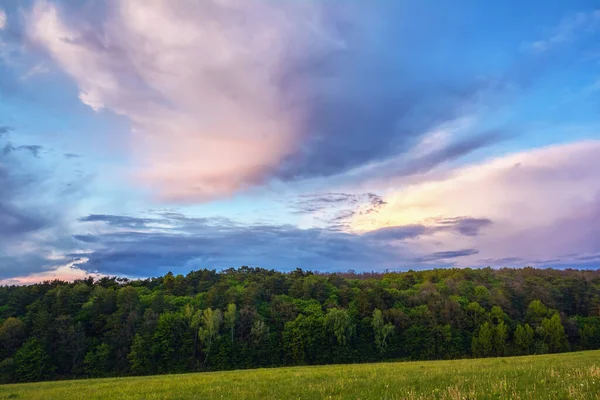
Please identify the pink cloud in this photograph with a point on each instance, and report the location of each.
(67, 272)
(543, 204)
(199, 82)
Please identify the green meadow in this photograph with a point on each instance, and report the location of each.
(557, 376)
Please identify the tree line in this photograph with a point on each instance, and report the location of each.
(253, 317)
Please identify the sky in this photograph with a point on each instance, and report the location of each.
(144, 136)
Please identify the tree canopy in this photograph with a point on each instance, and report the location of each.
(252, 317)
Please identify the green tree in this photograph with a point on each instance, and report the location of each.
(209, 330)
(97, 362)
(172, 342)
(32, 362)
(524, 339)
(536, 312)
(553, 333)
(304, 339)
(12, 334)
(339, 322)
(483, 344)
(140, 359)
(229, 317)
(500, 339)
(590, 336)
(381, 330)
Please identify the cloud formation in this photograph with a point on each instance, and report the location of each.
(529, 207)
(34, 211)
(180, 243)
(581, 23)
(172, 241)
(222, 96)
(3, 19)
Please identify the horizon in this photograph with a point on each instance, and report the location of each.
(350, 274)
(141, 137)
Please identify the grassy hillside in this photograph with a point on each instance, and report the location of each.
(560, 376)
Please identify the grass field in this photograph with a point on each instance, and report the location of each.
(560, 376)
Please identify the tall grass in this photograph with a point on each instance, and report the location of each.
(560, 376)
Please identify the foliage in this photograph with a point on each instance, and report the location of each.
(381, 330)
(32, 362)
(524, 339)
(252, 317)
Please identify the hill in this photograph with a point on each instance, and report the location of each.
(563, 376)
(251, 318)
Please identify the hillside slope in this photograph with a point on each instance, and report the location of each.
(559, 376)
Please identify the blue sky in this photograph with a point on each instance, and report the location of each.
(138, 137)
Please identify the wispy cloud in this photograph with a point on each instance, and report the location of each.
(335, 210)
(38, 69)
(3, 19)
(572, 26)
(445, 255)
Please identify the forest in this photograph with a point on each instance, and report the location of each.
(251, 317)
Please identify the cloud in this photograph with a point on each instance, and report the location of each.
(172, 241)
(532, 207)
(572, 26)
(67, 272)
(34, 210)
(14, 221)
(427, 158)
(222, 96)
(4, 130)
(465, 225)
(118, 220)
(3, 19)
(33, 149)
(38, 69)
(179, 243)
(334, 209)
(444, 255)
(398, 232)
(460, 225)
